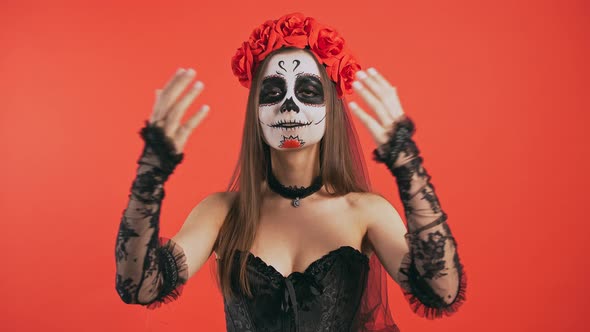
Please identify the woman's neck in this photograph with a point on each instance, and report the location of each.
(296, 168)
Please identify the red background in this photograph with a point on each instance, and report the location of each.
(498, 90)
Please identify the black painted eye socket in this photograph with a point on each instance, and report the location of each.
(309, 90)
(273, 90)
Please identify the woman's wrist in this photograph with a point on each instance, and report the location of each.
(399, 148)
(158, 145)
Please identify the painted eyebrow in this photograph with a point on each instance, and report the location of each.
(308, 74)
(309, 78)
(279, 76)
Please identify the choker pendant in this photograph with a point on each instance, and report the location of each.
(294, 193)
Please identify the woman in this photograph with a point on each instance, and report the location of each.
(300, 240)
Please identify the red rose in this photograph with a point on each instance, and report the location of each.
(333, 70)
(292, 28)
(325, 41)
(241, 64)
(263, 40)
(348, 68)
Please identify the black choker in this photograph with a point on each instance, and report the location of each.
(293, 192)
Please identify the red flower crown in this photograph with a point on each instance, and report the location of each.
(296, 30)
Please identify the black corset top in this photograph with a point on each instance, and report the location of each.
(326, 296)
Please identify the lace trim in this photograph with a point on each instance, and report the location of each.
(319, 266)
(315, 268)
(174, 270)
(399, 140)
(421, 297)
(157, 141)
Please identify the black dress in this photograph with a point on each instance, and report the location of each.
(340, 291)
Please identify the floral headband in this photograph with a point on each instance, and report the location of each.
(297, 30)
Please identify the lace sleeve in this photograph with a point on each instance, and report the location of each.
(431, 274)
(150, 269)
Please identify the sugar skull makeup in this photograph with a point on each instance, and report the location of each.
(292, 108)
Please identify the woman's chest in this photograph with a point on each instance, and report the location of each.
(290, 238)
(326, 294)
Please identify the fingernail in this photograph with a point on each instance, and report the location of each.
(190, 72)
(372, 71)
(180, 70)
(361, 75)
(199, 85)
(357, 85)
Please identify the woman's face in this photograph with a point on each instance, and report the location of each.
(292, 108)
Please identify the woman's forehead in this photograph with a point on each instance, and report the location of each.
(291, 63)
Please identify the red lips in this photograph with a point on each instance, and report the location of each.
(290, 143)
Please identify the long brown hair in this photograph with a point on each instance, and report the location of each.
(341, 166)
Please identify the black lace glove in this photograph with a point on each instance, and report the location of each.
(431, 274)
(150, 269)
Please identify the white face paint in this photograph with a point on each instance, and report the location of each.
(292, 111)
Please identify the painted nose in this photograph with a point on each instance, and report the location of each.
(289, 105)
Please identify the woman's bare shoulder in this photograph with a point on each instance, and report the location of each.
(366, 200)
(223, 196)
(371, 206)
(218, 202)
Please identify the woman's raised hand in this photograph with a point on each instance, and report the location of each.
(382, 98)
(169, 108)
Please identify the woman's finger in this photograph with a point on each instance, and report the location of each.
(155, 112)
(376, 105)
(396, 106)
(170, 93)
(374, 127)
(159, 108)
(388, 95)
(185, 130)
(372, 84)
(179, 72)
(194, 121)
(178, 109)
(378, 77)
